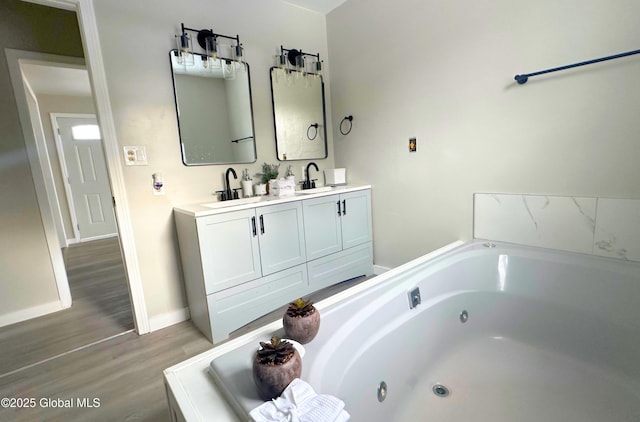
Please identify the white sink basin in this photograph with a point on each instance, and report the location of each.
(233, 202)
(315, 190)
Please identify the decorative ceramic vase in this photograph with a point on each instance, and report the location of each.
(302, 329)
(271, 380)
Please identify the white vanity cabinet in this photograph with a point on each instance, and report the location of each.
(280, 232)
(228, 247)
(243, 262)
(241, 246)
(338, 235)
(336, 222)
(240, 257)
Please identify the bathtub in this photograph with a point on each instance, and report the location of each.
(502, 333)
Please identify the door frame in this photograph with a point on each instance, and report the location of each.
(65, 173)
(39, 163)
(93, 56)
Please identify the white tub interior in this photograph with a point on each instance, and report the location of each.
(550, 336)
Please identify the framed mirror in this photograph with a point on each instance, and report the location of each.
(298, 114)
(214, 110)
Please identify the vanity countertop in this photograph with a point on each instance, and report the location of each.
(201, 209)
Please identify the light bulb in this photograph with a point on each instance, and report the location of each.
(185, 56)
(211, 47)
(239, 51)
(229, 70)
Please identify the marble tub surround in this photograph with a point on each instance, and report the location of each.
(599, 226)
(617, 232)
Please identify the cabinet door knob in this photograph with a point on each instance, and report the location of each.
(261, 224)
(253, 226)
(338, 204)
(344, 207)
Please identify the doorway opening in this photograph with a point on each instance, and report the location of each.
(94, 302)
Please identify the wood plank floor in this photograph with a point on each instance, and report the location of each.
(100, 309)
(125, 373)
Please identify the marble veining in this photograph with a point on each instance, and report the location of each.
(526, 205)
(599, 226)
(609, 246)
(590, 219)
(617, 233)
(537, 220)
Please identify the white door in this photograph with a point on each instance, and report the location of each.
(84, 166)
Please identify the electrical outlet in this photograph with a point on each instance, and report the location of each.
(413, 145)
(135, 156)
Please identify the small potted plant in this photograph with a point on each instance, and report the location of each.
(269, 172)
(276, 364)
(301, 321)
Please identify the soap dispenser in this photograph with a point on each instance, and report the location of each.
(247, 184)
(290, 175)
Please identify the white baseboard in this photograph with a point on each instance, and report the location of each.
(104, 236)
(28, 313)
(379, 269)
(165, 320)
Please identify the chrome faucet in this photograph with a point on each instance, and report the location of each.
(310, 183)
(230, 195)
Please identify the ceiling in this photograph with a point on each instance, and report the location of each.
(320, 6)
(55, 80)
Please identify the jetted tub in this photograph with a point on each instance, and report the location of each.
(503, 333)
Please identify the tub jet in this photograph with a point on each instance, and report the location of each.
(440, 390)
(382, 391)
(464, 316)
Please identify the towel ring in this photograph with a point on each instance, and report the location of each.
(348, 119)
(313, 125)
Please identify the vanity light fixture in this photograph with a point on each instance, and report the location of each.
(306, 64)
(209, 41)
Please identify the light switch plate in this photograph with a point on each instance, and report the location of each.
(135, 156)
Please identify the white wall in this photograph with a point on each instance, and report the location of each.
(136, 37)
(443, 72)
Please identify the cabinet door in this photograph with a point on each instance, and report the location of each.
(229, 249)
(281, 236)
(356, 218)
(322, 232)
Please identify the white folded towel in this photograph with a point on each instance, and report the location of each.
(299, 403)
